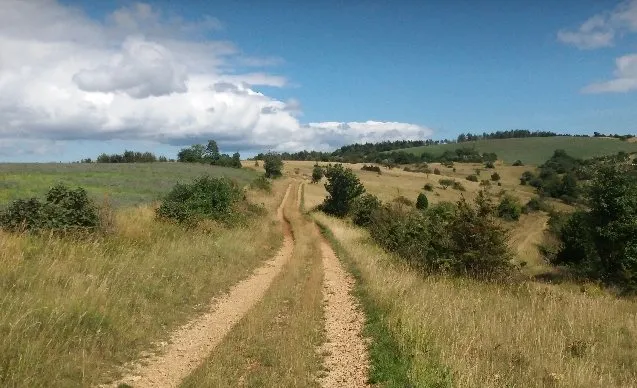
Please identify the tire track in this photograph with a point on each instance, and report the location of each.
(190, 344)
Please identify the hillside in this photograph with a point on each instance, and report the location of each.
(536, 150)
(125, 183)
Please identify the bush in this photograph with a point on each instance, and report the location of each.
(422, 202)
(446, 182)
(205, 198)
(428, 187)
(363, 208)
(509, 208)
(518, 163)
(495, 177)
(317, 173)
(472, 178)
(64, 209)
(489, 164)
(273, 165)
(262, 183)
(402, 200)
(457, 186)
(485, 183)
(437, 171)
(371, 168)
(343, 186)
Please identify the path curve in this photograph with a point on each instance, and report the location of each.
(192, 343)
(346, 359)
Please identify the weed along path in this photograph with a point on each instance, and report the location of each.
(192, 343)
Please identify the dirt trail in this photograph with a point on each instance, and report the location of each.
(191, 343)
(346, 359)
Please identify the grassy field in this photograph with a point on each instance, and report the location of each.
(464, 333)
(126, 183)
(536, 150)
(72, 310)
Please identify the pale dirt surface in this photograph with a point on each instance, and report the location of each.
(346, 360)
(191, 344)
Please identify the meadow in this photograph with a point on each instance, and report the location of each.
(536, 150)
(124, 184)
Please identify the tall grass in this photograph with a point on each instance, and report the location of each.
(490, 335)
(72, 310)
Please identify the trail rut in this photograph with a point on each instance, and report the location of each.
(346, 360)
(191, 343)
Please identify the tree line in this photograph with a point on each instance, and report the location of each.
(209, 154)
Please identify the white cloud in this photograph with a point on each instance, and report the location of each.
(625, 77)
(600, 30)
(142, 75)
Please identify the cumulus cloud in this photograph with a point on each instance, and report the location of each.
(625, 77)
(143, 75)
(601, 30)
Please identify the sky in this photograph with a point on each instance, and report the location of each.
(78, 78)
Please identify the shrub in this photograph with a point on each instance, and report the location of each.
(64, 209)
(485, 183)
(363, 208)
(457, 186)
(422, 202)
(205, 198)
(371, 168)
(317, 173)
(256, 163)
(428, 187)
(402, 200)
(342, 186)
(472, 178)
(509, 208)
(495, 177)
(262, 183)
(535, 204)
(446, 182)
(273, 165)
(478, 171)
(518, 163)
(489, 164)
(600, 243)
(437, 171)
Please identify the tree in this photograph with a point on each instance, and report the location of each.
(509, 208)
(422, 202)
(236, 160)
(212, 151)
(343, 186)
(363, 209)
(273, 165)
(192, 154)
(317, 173)
(495, 177)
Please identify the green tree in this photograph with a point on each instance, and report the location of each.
(422, 202)
(317, 173)
(509, 208)
(236, 160)
(363, 209)
(343, 186)
(495, 177)
(212, 151)
(273, 165)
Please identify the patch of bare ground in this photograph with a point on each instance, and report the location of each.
(190, 344)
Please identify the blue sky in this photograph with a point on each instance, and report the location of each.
(289, 75)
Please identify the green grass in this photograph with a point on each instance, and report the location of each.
(536, 150)
(125, 184)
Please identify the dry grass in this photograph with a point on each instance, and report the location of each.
(71, 310)
(491, 335)
(275, 344)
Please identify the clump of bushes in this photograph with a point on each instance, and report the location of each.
(462, 239)
(457, 186)
(64, 209)
(446, 182)
(261, 183)
(371, 168)
(485, 183)
(317, 173)
(363, 208)
(489, 164)
(518, 163)
(472, 178)
(402, 200)
(495, 177)
(437, 171)
(343, 187)
(273, 165)
(535, 204)
(428, 187)
(509, 208)
(204, 198)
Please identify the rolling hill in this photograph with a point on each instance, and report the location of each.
(536, 150)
